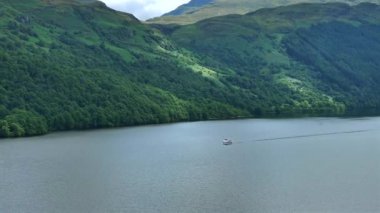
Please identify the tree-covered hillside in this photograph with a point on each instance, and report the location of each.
(74, 65)
(316, 51)
(197, 10)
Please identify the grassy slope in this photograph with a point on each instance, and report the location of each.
(315, 52)
(189, 7)
(188, 15)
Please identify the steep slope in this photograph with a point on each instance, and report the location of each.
(64, 65)
(197, 10)
(68, 65)
(314, 52)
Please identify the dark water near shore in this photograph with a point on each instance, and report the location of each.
(276, 165)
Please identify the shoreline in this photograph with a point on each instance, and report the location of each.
(350, 114)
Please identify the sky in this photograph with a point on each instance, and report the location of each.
(145, 9)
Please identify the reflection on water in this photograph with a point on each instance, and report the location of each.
(279, 165)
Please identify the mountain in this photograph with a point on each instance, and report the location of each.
(310, 52)
(197, 10)
(69, 65)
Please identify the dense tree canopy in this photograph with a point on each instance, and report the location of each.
(73, 66)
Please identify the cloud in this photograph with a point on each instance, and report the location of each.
(145, 9)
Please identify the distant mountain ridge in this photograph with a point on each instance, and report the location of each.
(189, 7)
(197, 10)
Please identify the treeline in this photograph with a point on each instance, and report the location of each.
(21, 123)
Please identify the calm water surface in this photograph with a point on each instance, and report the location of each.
(284, 165)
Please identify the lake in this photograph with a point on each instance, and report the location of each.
(275, 165)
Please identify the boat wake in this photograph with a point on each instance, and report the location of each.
(307, 136)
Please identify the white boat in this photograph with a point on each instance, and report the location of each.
(227, 142)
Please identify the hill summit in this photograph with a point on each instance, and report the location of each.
(197, 10)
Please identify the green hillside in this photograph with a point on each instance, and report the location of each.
(68, 65)
(72, 66)
(197, 10)
(315, 51)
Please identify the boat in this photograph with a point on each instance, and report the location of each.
(227, 142)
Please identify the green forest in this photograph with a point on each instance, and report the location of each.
(70, 65)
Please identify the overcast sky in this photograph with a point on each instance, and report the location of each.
(145, 9)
